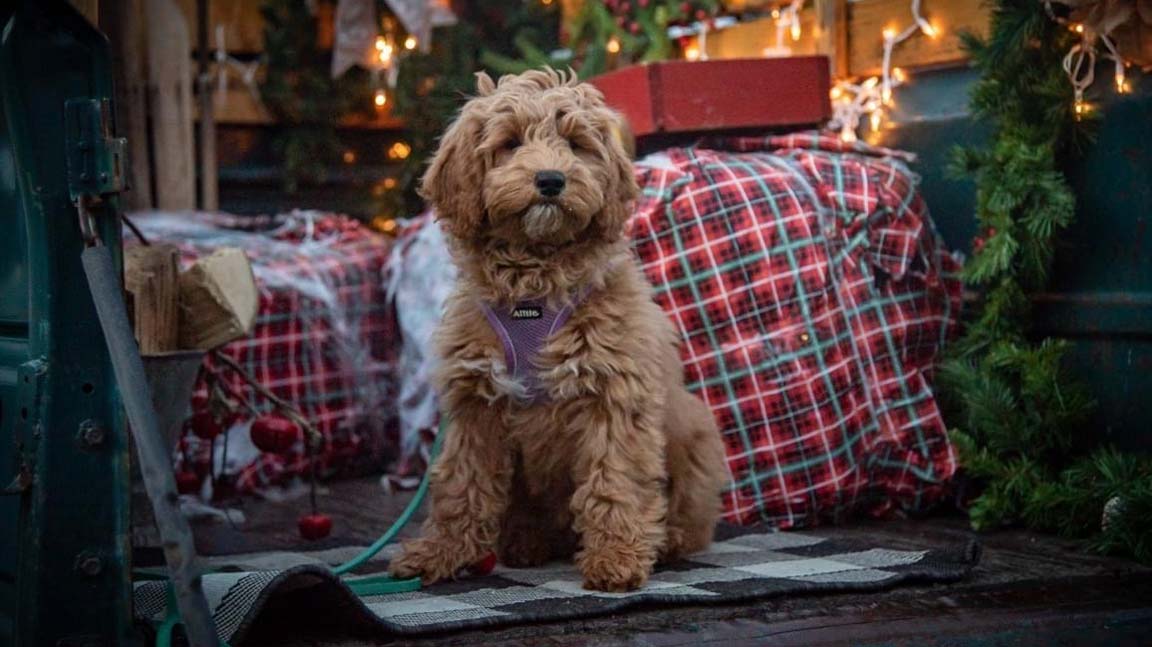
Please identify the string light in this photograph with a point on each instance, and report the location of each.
(700, 30)
(349, 157)
(385, 49)
(399, 151)
(852, 101)
(410, 43)
(380, 98)
(1080, 62)
(613, 45)
(787, 22)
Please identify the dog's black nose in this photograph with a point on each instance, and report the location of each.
(550, 183)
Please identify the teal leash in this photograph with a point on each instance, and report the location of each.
(363, 586)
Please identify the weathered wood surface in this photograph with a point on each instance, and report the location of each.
(170, 89)
(1028, 589)
(151, 275)
(868, 19)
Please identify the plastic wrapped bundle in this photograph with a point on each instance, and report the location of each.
(324, 340)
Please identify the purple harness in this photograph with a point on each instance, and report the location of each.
(523, 330)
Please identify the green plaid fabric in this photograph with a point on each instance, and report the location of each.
(814, 296)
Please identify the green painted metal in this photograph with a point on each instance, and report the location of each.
(1101, 294)
(64, 541)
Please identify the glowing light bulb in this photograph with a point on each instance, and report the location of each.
(386, 54)
(1121, 82)
(929, 29)
(692, 53)
(775, 14)
(847, 135)
(889, 33)
(899, 74)
(399, 151)
(795, 28)
(1078, 28)
(545, 2)
(613, 45)
(410, 42)
(835, 93)
(1080, 109)
(380, 99)
(886, 95)
(349, 157)
(381, 43)
(871, 82)
(875, 118)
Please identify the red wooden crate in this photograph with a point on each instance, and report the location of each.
(699, 96)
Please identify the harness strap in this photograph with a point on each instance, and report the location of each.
(524, 330)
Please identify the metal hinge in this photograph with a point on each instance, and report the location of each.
(96, 160)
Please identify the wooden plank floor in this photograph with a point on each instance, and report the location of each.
(1028, 589)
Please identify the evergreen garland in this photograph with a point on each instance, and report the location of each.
(1019, 410)
(638, 27)
(301, 94)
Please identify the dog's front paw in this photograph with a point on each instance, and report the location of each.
(430, 560)
(614, 571)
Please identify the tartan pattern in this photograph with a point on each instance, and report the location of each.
(744, 564)
(813, 296)
(324, 338)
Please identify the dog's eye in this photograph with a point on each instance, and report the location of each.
(574, 145)
(512, 144)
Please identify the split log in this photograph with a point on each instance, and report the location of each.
(218, 300)
(151, 276)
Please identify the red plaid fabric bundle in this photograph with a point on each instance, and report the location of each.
(814, 296)
(324, 340)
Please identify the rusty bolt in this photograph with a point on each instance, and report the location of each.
(89, 564)
(91, 435)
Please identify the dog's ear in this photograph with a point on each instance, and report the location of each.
(453, 183)
(622, 146)
(624, 184)
(484, 84)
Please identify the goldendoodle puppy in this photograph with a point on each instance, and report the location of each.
(569, 425)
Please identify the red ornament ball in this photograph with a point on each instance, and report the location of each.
(314, 526)
(978, 243)
(643, 3)
(634, 27)
(274, 433)
(686, 8)
(199, 400)
(187, 482)
(205, 425)
(701, 14)
(625, 7)
(484, 566)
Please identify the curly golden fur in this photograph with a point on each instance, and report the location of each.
(620, 464)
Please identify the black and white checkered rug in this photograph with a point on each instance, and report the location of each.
(742, 565)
